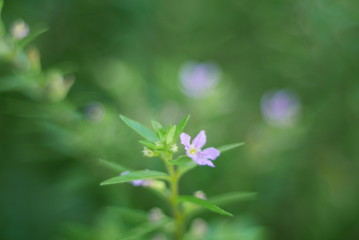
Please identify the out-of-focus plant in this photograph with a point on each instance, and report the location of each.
(280, 108)
(27, 74)
(161, 143)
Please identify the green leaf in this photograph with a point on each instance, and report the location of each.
(160, 131)
(2, 27)
(33, 35)
(140, 129)
(1, 6)
(204, 203)
(170, 134)
(136, 175)
(181, 126)
(229, 147)
(144, 229)
(113, 166)
(184, 168)
(181, 161)
(233, 197)
(151, 145)
(156, 125)
(133, 215)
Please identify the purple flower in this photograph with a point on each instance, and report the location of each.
(280, 108)
(193, 150)
(198, 79)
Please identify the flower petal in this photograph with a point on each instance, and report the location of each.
(210, 153)
(200, 140)
(185, 140)
(203, 161)
(137, 183)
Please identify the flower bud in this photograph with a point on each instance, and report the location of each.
(58, 86)
(148, 152)
(199, 228)
(200, 194)
(158, 185)
(174, 148)
(19, 29)
(155, 215)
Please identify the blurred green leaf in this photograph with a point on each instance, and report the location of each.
(170, 134)
(184, 168)
(156, 125)
(134, 215)
(144, 229)
(181, 126)
(229, 147)
(160, 131)
(113, 166)
(136, 175)
(32, 36)
(204, 203)
(2, 28)
(233, 197)
(140, 129)
(151, 145)
(181, 161)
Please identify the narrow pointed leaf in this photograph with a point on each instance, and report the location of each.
(142, 230)
(181, 126)
(32, 36)
(140, 129)
(156, 125)
(151, 145)
(170, 134)
(136, 175)
(181, 161)
(205, 204)
(113, 166)
(233, 197)
(229, 147)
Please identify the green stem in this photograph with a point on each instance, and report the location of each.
(177, 213)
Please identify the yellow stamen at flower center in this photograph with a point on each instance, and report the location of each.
(192, 151)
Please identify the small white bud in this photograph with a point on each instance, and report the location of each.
(174, 148)
(158, 185)
(200, 194)
(148, 152)
(199, 228)
(155, 215)
(19, 29)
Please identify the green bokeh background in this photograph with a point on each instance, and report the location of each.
(126, 55)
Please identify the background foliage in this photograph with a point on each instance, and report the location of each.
(126, 57)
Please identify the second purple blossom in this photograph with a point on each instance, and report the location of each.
(280, 108)
(199, 79)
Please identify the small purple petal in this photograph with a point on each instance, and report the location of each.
(185, 140)
(138, 182)
(124, 173)
(200, 140)
(203, 161)
(210, 153)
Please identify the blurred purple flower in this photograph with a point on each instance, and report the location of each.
(201, 157)
(280, 108)
(95, 111)
(198, 79)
